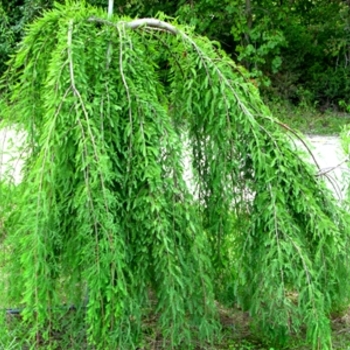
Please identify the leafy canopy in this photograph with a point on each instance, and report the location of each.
(111, 106)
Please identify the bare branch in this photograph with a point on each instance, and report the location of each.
(153, 23)
(328, 170)
(142, 22)
(301, 140)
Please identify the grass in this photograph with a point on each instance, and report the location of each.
(308, 119)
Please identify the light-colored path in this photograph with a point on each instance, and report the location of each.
(326, 149)
(10, 154)
(331, 159)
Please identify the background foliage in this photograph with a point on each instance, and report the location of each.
(294, 50)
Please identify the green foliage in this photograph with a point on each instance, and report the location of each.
(288, 47)
(15, 15)
(6, 37)
(103, 213)
(308, 119)
(316, 56)
(110, 213)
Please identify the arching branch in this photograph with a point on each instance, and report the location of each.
(142, 22)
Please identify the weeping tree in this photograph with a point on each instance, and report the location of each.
(103, 219)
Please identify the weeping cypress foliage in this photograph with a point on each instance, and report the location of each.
(103, 213)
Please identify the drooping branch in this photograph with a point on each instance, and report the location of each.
(330, 169)
(153, 23)
(147, 218)
(142, 22)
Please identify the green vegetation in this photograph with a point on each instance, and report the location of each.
(104, 221)
(296, 50)
(308, 119)
(104, 245)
